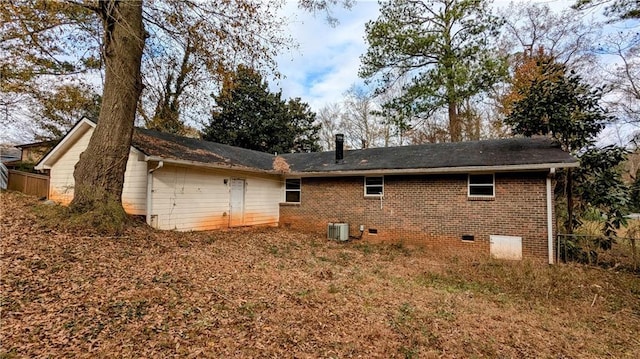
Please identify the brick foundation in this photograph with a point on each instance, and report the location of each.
(428, 210)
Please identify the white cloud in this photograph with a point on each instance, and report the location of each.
(326, 62)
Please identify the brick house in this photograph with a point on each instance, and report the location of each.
(487, 196)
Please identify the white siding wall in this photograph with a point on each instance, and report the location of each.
(134, 191)
(195, 199)
(135, 181)
(61, 177)
(262, 200)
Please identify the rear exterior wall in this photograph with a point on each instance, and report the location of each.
(428, 210)
(196, 199)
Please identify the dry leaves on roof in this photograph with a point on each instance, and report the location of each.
(169, 149)
(280, 165)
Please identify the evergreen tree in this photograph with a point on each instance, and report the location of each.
(303, 127)
(634, 194)
(558, 104)
(443, 46)
(250, 116)
(615, 9)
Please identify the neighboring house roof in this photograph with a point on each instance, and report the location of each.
(9, 154)
(167, 146)
(48, 143)
(502, 154)
(513, 154)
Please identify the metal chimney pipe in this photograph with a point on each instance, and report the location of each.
(339, 147)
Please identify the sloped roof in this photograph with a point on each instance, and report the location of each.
(511, 152)
(158, 146)
(48, 143)
(168, 146)
(9, 154)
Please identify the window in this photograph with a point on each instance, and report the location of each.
(292, 190)
(481, 185)
(373, 186)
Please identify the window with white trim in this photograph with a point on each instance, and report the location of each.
(481, 185)
(292, 190)
(374, 186)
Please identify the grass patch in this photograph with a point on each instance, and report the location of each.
(454, 284)
(365, 248)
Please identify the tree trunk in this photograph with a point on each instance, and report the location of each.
(455, 128)
(569, 224)
(99, 174)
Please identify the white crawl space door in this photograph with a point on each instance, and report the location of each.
(236, 212)
(506, 247)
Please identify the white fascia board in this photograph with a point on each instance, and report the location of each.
(64, 143)
(439, 170)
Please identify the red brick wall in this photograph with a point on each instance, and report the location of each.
(429, 210)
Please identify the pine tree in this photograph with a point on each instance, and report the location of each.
(443, 46)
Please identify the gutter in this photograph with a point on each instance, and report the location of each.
(370, 172)
(437, 170)
(552, 172)
(150, 190)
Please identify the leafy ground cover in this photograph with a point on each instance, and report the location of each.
(279, 293)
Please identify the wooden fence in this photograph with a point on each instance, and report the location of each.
(29, 183)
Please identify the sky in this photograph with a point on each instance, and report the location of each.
(326, 62)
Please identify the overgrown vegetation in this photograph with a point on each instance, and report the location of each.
(277, 293)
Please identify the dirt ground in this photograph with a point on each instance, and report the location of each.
(272, 292)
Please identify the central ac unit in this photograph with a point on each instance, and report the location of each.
(338, 231)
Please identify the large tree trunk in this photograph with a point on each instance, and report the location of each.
(99, 175)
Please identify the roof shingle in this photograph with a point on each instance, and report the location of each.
(502, 152)
(164, 145)
(487, 153)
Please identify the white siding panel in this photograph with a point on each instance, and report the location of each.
(61, 175)
(183, 198)
(190, 199)
(134, 191)
(135, 182)
(187, 199)
(263, 195)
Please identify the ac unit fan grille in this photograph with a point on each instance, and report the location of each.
(338, 231)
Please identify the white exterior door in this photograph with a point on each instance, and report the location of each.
(237, 203)
(506, 247)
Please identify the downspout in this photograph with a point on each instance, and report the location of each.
(552, 172)
(150, 190)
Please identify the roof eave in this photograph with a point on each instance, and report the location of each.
(45, 161)
(439, 170)
(217, 165)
